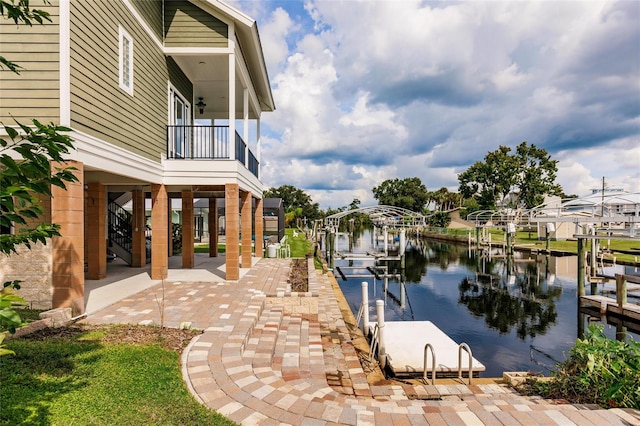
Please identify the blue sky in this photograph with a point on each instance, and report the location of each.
(373, 90)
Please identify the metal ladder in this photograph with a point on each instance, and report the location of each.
(429, 348)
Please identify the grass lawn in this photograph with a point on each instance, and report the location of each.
(204, 248)
(299, 244)
(82, 378)
(530, 240)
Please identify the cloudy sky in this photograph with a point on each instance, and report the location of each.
(373, 90)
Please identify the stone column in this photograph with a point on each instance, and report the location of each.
(188, 259)
(232, 233)
(159, 232)
(259, 228)
(169, 227)
(96, 231)
(213, 227)
(247, 220)
(67, 210)
(139, 255)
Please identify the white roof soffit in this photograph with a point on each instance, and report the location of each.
(248, 28)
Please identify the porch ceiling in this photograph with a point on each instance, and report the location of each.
(210, 76)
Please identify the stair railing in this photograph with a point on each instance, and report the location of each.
(120, 232)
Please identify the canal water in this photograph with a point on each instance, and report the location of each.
(516, 315)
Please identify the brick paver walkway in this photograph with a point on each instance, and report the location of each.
(269, 356)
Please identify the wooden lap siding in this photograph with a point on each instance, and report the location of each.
(151, 12)
(186, 25)
(99, 106)
(179, 80)
(35, 92)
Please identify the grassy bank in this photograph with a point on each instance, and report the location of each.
(529, 241)
(299, 244)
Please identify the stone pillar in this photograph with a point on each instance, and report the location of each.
(232, 233)
(259, 228)
(159, 232)
(67, 210)
(96, 231)
(169, 228)
(247, 220)
(188, 259)
(139, 255)
(213, 227)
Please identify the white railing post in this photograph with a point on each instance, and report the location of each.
(382, 353)
(386, 240)
(365, 307)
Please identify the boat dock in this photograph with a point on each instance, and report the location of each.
(618, 306)
(609, 306)
(405, 347)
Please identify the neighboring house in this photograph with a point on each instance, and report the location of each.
(274, 222)
(131, 77)
(615, 211)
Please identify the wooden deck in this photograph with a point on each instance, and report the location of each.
(608, 306)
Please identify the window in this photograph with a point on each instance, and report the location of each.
(126, 61)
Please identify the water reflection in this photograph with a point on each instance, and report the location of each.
(517, 314)
(527, 308)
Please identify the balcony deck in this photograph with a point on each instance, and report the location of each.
(187, 142)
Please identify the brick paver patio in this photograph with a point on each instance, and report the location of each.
(268, 356)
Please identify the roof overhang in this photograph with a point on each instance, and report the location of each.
(246, 30)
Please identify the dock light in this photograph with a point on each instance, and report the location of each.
(201, 105)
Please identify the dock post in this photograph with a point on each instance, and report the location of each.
(594, 256)
(403, 241)
(365, 307)
(581, 320)
(621, 291)
(332, 248)
(382, 352)
(581, 267)
(386, 240)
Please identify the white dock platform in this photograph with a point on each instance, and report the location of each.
(405, 342)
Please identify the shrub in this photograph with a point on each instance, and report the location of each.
(598, 371)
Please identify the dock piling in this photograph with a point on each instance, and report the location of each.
(365, 307)
(382, 353)
(621, 290)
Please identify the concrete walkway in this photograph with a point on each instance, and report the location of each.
(269, 356)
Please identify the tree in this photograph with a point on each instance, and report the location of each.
(293, 199)
(444, 200)
(538, 173)
(439, 219)
(527, 175)
(25, 179)
(489, 181)
(408, 193)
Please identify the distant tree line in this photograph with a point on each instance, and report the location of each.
(518, 179)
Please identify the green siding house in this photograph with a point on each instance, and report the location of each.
(164, 99)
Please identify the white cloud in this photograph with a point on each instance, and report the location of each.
(508, 78)
(274, 38)
(373, 90)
